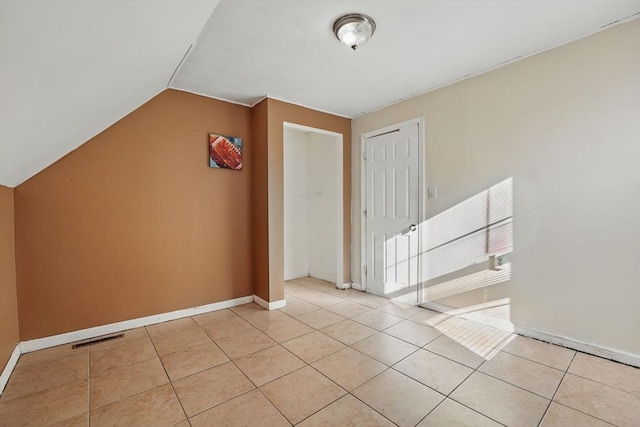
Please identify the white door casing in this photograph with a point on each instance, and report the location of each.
(391, 201)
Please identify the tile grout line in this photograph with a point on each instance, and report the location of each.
(256, 387)
(374, 377)
(369, 308)
(431, 411)
(448, 358)
(244, 355)
(409, 342)
(167, 374)
(566, 406)
(307, 364)
(5, 399)
(343, 343)
(138, 393)
(370, 407)
(581, 412)
(598, 382)
(202, 370)
(515, 385)
(556, 391)
(498, 349)
(299, 336)
(507, 382)
(347, 391)
(604, 384)
(448, 396)
(325, 356)
(229, 361)
(89, 352)
(565, 372)
(274, 379)
(388, 366)
(219, 404)
(535, 361)
(469, 407)
(350, 346)
(271, 403)
(377, 332)
(315, 412)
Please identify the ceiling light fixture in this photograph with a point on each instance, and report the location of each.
(354, 29)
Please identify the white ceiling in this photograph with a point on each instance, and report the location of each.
(286, 48)
(70, 69)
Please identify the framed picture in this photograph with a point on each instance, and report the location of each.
(225, 151)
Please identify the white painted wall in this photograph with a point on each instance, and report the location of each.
(322, 168)
(565, 125)
(310, 205)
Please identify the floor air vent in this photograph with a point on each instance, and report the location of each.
(97, 340)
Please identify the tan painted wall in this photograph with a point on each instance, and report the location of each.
(260, 201)
(134, 222)
(565, 124)
(278, 113)
(8, 300)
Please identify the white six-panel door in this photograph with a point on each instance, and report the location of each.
(391, 210)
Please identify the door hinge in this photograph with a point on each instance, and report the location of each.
(365, 270)
(365, 213)
(364, 156)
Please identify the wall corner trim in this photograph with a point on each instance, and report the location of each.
(83, 334)
(269, 305)
(356, 286)
(9, 367)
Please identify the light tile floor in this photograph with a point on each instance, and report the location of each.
(329, 358)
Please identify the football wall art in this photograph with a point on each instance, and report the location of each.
(225, 152)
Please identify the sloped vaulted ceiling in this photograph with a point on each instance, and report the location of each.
(70, 69)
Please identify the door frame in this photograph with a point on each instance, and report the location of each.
(421, 186)
(339, 138)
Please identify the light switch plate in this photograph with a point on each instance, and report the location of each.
(432, 192)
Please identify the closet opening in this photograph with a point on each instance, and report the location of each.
(313, 204)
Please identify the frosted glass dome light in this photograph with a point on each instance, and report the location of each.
(354, 29)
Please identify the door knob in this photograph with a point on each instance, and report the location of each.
(406, 231)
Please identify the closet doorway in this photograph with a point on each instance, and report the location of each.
(313, 204)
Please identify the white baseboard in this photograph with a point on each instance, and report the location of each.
(357, 286)
(269, 305)
(295, 276)
(83, 334)
(330, 279)
(572, 343)
(583, 346)
(9, 367)
(346, 285)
